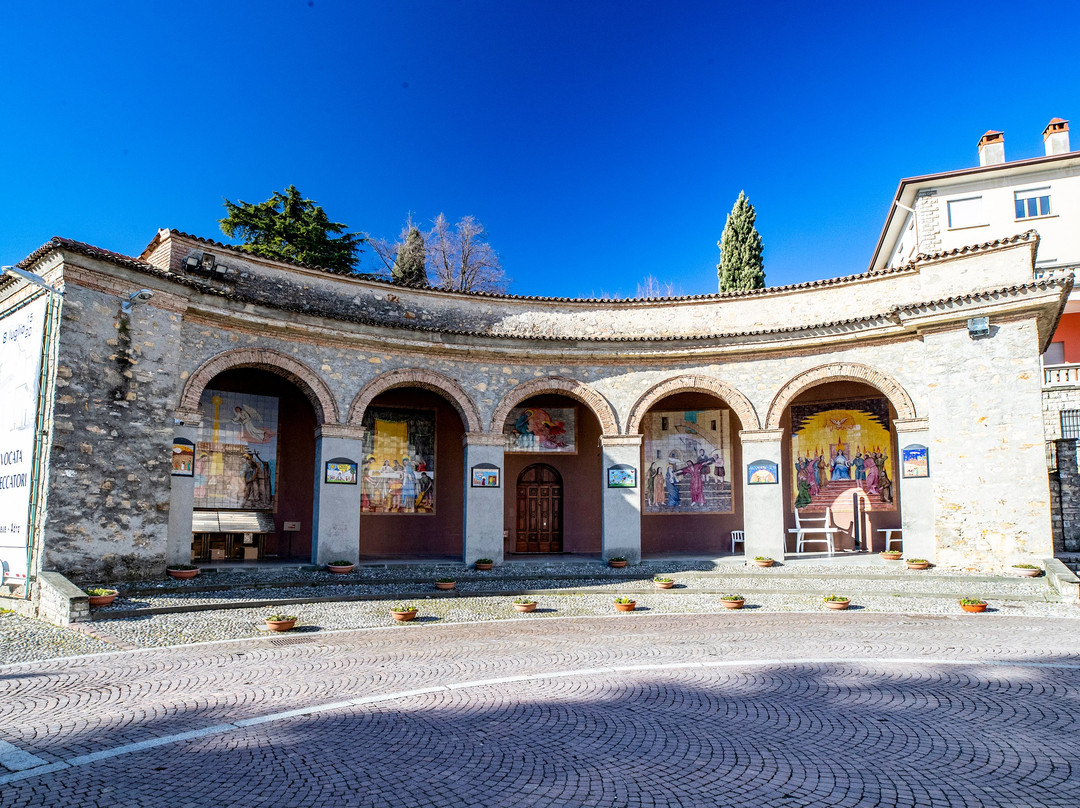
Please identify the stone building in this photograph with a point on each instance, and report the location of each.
(199, 402)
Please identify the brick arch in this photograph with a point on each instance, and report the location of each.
(609, 425)
(840, 372)
(312, 385)
(739, 403)
(417, 377)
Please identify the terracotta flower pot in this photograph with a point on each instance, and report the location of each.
(280, 625)
(732, 604)
(403, 616)
(924, 565)
(102, 600)
(182, 574)
(891, 556)
(1025, 572)
(663, 584)
(482, 567)
(763, 562)
(974, 608)
(341, 569)
(838, 604)
(444, 584)
(617, 564)
(525, 607)
(626, 607)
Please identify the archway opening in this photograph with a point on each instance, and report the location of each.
(563, 434)
(840, 453)
(412, 476)
(691, 493)
(254, 470)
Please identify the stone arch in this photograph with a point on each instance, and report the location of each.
(739, 403)
(840, 372)
(609, 425)
(417, 377)
(312, 385)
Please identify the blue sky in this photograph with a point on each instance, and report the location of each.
(598, 142)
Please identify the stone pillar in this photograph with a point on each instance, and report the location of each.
(182, 494)
(484, 505)
(1069, 494)
(622, 506)
(763, 505)
(916, 493)
(335, 527)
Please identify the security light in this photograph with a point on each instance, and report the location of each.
(978, 327)
(140, 296)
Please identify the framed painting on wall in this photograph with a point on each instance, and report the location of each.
(236, 453)
(398, 467)
(688, 453)
(541, 430)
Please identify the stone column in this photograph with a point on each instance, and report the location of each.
(622, 506)
(1069, 494)
(335, 527)
(916, 493)
(484, 505)
(182, 494)
(763, 505)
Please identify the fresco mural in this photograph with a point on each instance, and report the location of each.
(842, 447)
(687, 453)
(541, 430)
(398, 469)
(236, 453)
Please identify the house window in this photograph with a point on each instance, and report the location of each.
(1070, 423)
(1033, 202)
(966, 212)
(1055, 354)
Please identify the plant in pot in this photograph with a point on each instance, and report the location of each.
(663, 582)
(616, 561)
(403, 611)
(341, 566)
(891, 555)
(1026, 570)
(101, 597)
(280, 622)
(917, 563)
(625, 604)
(732, 601)
(763, 561)
(444, 583)
(973, 604)
(484, 563)
(524, 604)
(182, 571)
(837, 602)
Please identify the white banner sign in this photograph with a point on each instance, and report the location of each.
(21, 346)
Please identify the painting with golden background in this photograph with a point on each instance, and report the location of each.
(397, 473)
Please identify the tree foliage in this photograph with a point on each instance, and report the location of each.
(741, 266)
(461, 259)
(293, 228)
(406, 258)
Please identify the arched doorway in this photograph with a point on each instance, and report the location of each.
(539, 510)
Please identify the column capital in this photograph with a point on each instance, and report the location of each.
(483, 439)
(911, 425)
(761, 435)
(621, 440)
(348, 431)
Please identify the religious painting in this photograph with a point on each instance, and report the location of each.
(541, 430)
(916, 460)
(762, 472)
(485, 475)
(840, 449)
(622, 476)
(340, 471)
(183, 458)
(397, 473)
(688, 453)
(236, 453)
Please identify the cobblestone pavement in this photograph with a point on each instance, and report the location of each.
(739, 709)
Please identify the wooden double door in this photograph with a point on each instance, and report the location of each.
(539, 510)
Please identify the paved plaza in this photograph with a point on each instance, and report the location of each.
(723, 709)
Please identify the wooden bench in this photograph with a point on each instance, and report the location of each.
(804, 527)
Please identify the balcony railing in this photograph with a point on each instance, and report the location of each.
(1055, 272)
(1061, 375)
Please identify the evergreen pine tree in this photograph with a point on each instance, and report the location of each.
(410, 267)
(741, 266)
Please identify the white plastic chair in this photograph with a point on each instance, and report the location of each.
(804, 527)
(737, 538)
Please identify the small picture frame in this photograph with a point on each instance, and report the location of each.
(183, 458)
(621, 476)
(915, 461)
(484, 475)
(762, 472)
(340, 471)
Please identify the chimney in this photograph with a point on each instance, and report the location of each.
(1056, 137)
(992, 148)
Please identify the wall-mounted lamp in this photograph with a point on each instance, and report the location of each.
(141, 295)
(30, 276)
(208, 262)
(978, 327)
(191, 263)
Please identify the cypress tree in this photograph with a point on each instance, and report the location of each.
(410, 267)
(741, 266)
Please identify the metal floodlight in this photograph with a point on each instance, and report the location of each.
(140, 296)
(30, 276)
(208, 262)
(191, 262)
(978, 327)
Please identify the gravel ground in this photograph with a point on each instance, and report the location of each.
(562, 589)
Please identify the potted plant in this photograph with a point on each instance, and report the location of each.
(101, 597)
(732, 601)
(837, 602)
(617, 562)
(1025, 570)
(484, 563)
(182, 571)
(891, 555)
(917, 563)
(341, 566)
(662, 582)
(625, 604)
(403, 611)
(280, 622)
(524, 604)
(763, 561)
(444, 583)
(972, 605)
